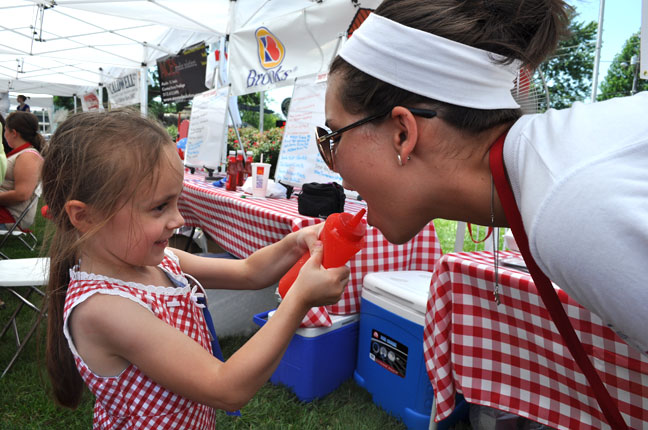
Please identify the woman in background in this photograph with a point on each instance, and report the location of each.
(22, 106)
(24, 164)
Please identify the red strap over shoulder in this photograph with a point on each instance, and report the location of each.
(546, 290)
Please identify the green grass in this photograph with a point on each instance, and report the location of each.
(447, 232)
(25, 403)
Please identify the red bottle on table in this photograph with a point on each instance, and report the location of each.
(240, 169)
(232, 179)
(249, 159)
(343, 236)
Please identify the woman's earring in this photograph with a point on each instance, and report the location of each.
(400, 162)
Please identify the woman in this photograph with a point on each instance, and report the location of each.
(3, 156)
(578, 176)
(24, 164)
(5, 146)
(22, 106)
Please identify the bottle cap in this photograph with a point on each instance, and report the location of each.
(351, 227)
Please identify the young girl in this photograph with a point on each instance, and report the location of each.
(123, 317)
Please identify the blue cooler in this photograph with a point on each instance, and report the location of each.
(318, 359)
(390, 348)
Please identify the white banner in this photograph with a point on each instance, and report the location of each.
(90, 102)
(207, 129)
(299, 160)
(273, 54)
(125, 90)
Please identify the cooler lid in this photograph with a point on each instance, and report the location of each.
(409, 288)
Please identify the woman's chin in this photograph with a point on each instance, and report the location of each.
(393, 234)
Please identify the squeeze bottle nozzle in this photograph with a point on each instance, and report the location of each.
(342, 237)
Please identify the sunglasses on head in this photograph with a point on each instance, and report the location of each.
(327, 140)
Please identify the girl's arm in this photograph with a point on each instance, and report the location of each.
(111, 331)
(26, 176)
(260, 270)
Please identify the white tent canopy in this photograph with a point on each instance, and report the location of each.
(59, 47)
(65, 47)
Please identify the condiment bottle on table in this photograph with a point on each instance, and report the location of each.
(232, 178)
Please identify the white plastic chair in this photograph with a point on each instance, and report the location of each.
(22, 277)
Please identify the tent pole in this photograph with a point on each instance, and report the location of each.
(597, 52)
(75, 103)
(100, 91)
(144, 82)
(261, 103)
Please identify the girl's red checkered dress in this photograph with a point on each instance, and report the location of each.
(131, 400)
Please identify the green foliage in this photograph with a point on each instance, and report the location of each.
(249, 110)
(251, 118)
(173, 131)
(267, 143)
(622, 73)
(568, 73)
(65, 103)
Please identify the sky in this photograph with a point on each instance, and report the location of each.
(621, 19)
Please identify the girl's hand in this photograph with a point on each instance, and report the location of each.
(307, 236)
(316, 285)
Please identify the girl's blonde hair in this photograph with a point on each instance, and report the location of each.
(101, 159)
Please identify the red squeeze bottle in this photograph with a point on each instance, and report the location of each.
(248, 165)
(240, 169)
(231, 183)
(342, 237)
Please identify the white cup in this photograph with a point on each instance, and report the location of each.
(260, 173)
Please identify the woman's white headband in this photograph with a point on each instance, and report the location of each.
(431, 66)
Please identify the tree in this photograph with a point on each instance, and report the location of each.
(568, 73)
(249, 108)
(61, 102)
(623, 72)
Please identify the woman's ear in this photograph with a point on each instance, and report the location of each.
(406, 134)
(79, 214)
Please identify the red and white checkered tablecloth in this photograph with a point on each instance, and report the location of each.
(511, 357)
(243, 225)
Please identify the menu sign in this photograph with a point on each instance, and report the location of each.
(183, 75)
(207, 129)
(299, 159)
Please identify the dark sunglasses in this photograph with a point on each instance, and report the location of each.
(327, 140)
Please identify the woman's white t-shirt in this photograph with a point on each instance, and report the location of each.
(580, 179)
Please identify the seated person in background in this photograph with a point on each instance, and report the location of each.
(3, 156)
(22, 106)
(24, 164)
(5, 145)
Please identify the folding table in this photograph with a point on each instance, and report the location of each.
(22, 277)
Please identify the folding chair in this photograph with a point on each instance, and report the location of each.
(22, 277)
(25, 235)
